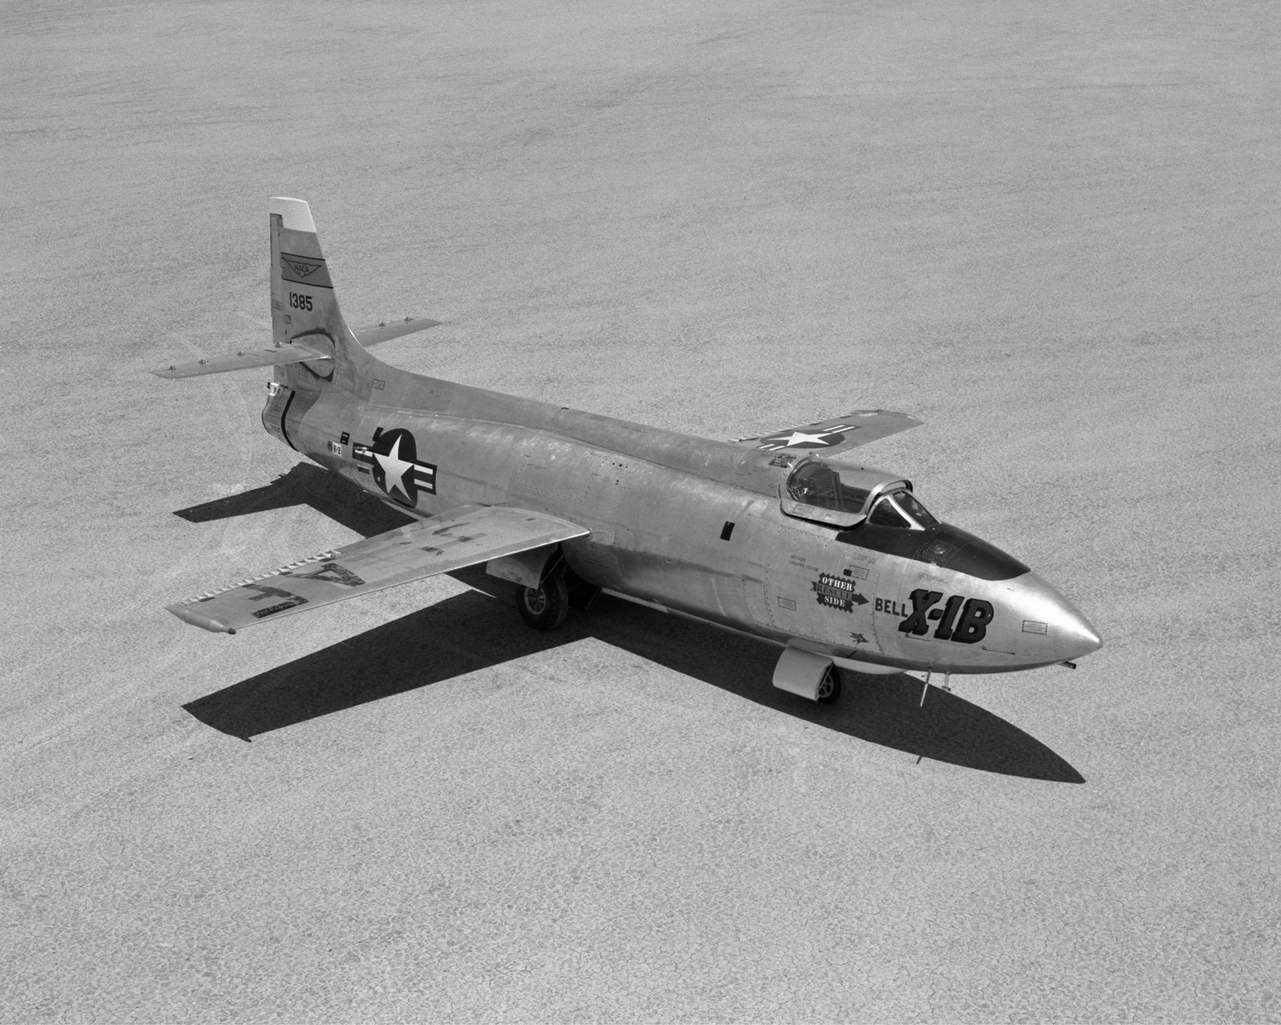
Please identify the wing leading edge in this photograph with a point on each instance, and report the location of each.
(835, 435)
(464, 538)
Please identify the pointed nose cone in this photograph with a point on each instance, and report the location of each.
(1075, 635)
(1047, 613)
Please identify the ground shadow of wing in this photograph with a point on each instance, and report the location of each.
(305, 484)
(456, 636)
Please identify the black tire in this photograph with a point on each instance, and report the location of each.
(830, 688)
(544, 608)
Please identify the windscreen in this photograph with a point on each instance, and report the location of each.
(886, 514)
(900, 509)
(908, 503)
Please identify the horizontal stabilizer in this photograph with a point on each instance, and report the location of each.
(295, 352)
(275, 356)
(463, 538)
(830, 436)
(388, 330)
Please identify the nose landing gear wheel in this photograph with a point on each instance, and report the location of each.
(545, 607)
(830, 687)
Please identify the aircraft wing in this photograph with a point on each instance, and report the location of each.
(839, 433)
(295, 352)
(462, 538)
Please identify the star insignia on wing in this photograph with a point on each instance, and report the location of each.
(806, 437)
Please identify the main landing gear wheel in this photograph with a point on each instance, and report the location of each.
(830, 687)
(545, 607)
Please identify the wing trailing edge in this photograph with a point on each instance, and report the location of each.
(463, 538)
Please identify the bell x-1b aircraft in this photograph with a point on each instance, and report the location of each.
(777, 536)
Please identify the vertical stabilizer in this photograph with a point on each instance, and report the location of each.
(304, 308)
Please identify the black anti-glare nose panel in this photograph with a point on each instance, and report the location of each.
(942, 545)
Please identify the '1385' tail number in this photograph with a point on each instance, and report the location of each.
(299, 302)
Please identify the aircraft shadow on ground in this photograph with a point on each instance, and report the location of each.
(305, 484)
(481, 628)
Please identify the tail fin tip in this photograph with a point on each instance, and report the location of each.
(295, 214)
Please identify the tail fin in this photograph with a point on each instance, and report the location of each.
(304, 308)
(312, 340)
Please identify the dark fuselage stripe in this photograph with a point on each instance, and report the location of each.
(284, 432)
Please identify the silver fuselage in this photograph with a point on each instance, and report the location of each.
(659, 506)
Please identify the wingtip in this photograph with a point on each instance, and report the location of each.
(185, 613)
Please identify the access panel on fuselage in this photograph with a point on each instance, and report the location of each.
(595, 558)
(818, 589)
(672, 545)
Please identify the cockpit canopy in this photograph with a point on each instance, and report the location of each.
(850, 495)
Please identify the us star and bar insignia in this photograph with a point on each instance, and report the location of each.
(393, 460)
(800, 438)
